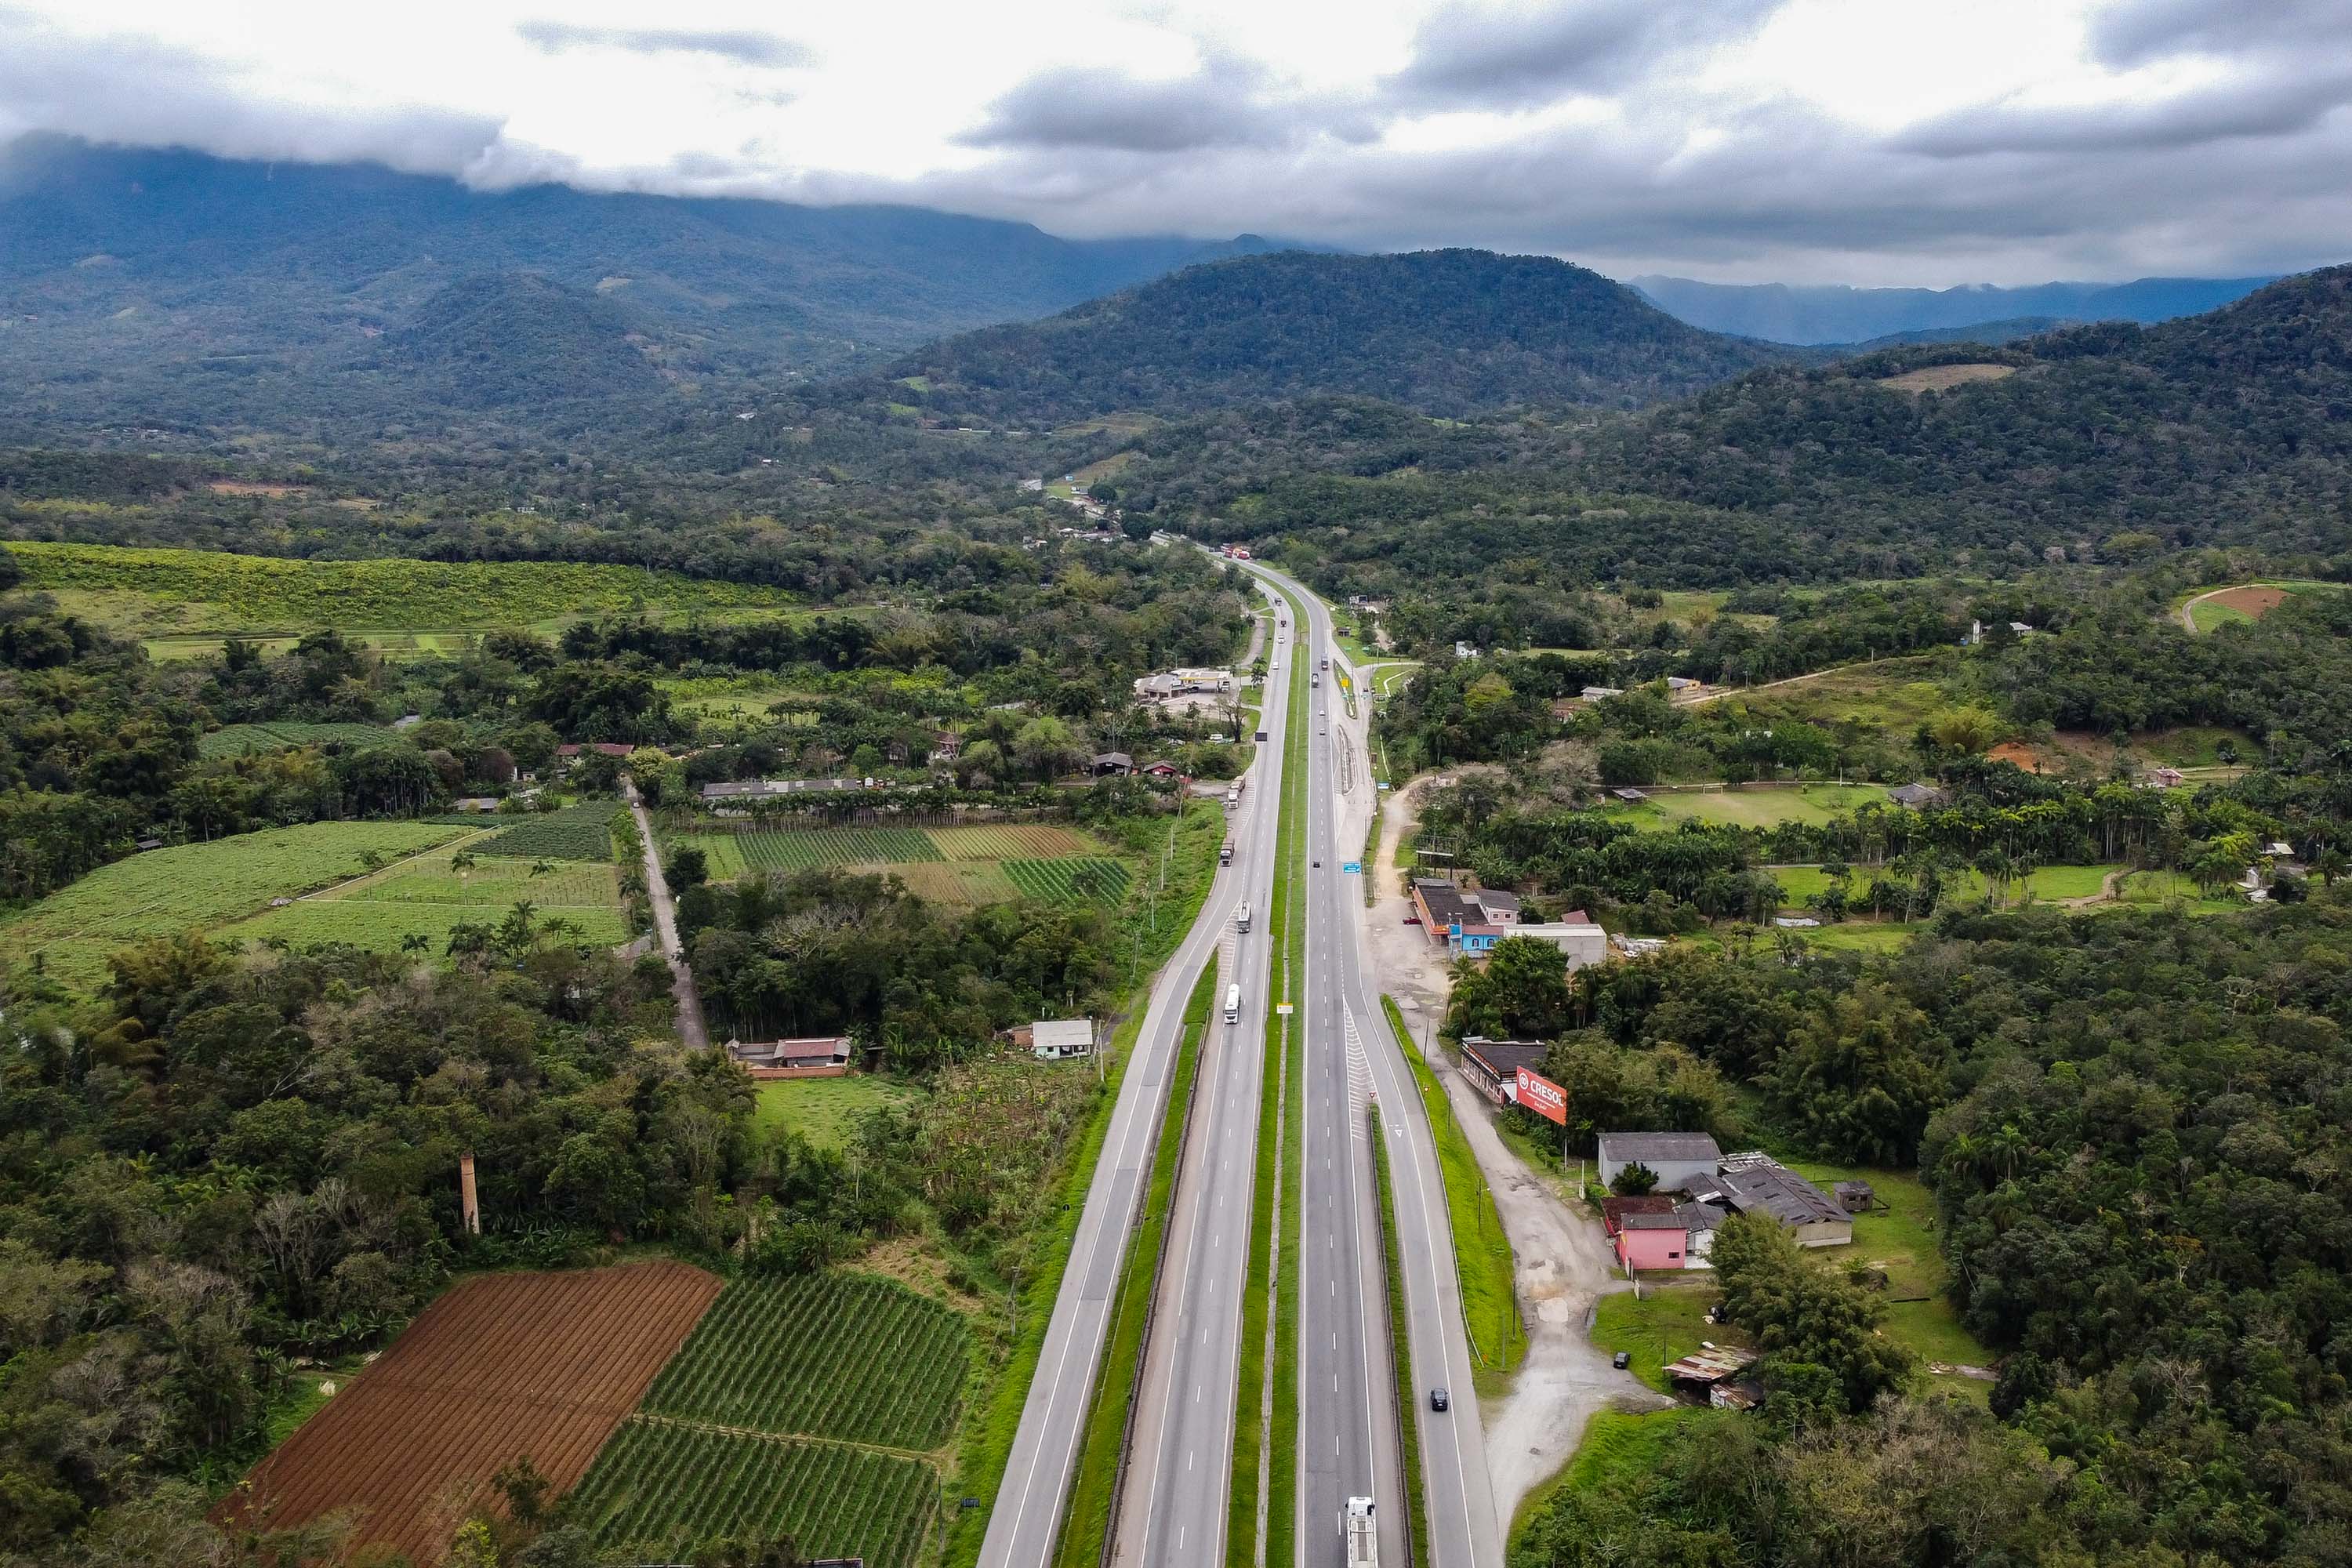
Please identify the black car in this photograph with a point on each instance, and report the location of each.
(1622, 1360)
(1439, 1399)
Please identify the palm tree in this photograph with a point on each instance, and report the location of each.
(416, 941)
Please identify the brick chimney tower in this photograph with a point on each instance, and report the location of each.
(468, 1202)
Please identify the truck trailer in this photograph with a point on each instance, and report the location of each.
(1356, 1532)
(1232, 1004)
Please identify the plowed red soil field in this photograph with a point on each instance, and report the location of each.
(503, 1365)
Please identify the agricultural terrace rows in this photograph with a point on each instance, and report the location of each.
(771, 1356)
(160, 592)
(201, 886)
(430, 897)
(503, 1366)
(955, 864)
(660, 1490)
(582, 832)
(237, 740)
(1069, 881)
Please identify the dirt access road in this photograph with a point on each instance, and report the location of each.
(690, 1026)
(1562, 1260)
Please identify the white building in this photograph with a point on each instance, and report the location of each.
(1182, 682)
(1057, 1039)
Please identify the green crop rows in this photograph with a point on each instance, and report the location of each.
(1069, 881)
(582, 832)
(201, 886)
(237, 740)
(771, 1354)
(661, 1489)
(799, 849)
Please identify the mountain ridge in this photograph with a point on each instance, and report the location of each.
(1454, 332)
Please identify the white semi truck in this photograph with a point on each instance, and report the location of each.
(1232, 1004)
(1356, 1534)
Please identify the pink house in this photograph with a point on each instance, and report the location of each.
(1653, 1241)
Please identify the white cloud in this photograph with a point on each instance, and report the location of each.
(1867, 141)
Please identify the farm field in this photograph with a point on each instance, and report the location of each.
(428, 897)
(761, 1421)
(237, 740)
(1813, 803)
(755, 1363)
(582, 832)
(825, 1111)
(661, 1489)
(500, 1367)
(2247, 601)
(182, 594)
(969, 865)
(202, 886)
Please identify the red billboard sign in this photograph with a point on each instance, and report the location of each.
(1543, 1097)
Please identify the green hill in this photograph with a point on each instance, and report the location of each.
(1450, 333)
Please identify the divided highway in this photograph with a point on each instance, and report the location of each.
(1174, 1508)
(1180, 1475)
(1186, 1517)
(1346, 1023)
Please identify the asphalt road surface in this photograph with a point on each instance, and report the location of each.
(1185, 1518)
(1346, 1022)
(1178, 1480)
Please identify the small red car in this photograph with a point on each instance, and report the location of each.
(1413, 919)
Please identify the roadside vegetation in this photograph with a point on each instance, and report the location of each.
(1482, 1259)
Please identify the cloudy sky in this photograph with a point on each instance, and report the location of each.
(1928, 141)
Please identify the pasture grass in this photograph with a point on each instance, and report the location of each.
(167, 594)
(826, 1111)
(1812, 804)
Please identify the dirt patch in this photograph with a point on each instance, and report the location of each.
(503, 1365)
(2017, 753)
(254, 487)
(1943, 377)
(2252, 601)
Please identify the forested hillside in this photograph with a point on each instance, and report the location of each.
(171, 289)
(1445, 332)
(2110, 441)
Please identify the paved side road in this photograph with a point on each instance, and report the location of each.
(690, 1026)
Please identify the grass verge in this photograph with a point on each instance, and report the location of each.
(993, 1421)
(1094, 1489)
(1400, 1384)
(1482, 1261)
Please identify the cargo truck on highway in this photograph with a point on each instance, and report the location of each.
(1363, 1541)
(1241, 918)
(1232, 1004)
(1225, 856)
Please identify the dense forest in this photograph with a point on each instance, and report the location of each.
(2133, 1130)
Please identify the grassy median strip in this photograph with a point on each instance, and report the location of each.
(1094, 1489)
(1272, 1195)
(1482, 1252)
(1407, 1399)
(991, 1424)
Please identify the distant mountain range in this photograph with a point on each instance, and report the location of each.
(1835, 313)
(1453, 333)
(141, 287)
